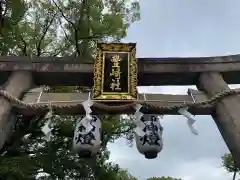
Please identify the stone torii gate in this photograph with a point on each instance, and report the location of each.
(210, 74)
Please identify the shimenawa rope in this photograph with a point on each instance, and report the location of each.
(104, 107)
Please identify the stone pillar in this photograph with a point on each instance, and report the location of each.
(17, 84)
(227, 112)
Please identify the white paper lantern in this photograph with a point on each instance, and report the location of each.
(87, 142)
(149, 143)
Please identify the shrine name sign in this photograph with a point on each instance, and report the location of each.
(115, 72)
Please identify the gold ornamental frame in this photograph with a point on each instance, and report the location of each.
(101, 73)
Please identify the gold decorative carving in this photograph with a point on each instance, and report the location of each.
(115, 72)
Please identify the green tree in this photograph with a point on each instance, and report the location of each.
(61, 28)
(55, 158)
(11, 13)
(163, 178)
(124, 175)
(229, 165)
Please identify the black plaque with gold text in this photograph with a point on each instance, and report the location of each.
(115, 72)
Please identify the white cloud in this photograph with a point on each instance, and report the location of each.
(184, 155)
(165, 89)
(181, 152)
(207, 169)
(172, 89)
(234, 86)
(171, 28)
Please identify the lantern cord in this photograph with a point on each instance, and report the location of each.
(46, 129)
(39, 97)
(50, 111)
(144, 96)
(192, 97)
(86, 121)
(139, 124)
(120, 108)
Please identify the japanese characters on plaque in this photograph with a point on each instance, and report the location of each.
(115, 72)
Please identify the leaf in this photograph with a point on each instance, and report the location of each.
(18, 10)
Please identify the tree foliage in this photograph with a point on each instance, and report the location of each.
(163, 178)
(55, 158)
(64, 28)
(59, 29)
(228, 163)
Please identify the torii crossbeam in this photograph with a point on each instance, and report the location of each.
(210, 74)
(151, 71)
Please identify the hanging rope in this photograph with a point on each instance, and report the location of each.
(108, 108)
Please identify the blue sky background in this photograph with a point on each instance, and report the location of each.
(177, 28)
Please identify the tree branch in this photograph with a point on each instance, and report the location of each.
(59, 50)
(73, 26)
(124, 131)
(47, 26)
(24, 48)
(84, 4)
(15, 140)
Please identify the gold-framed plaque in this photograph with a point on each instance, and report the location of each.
(115, 72)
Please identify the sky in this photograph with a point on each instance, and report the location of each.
(180, 28)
